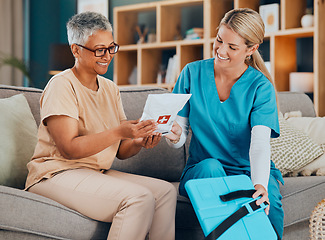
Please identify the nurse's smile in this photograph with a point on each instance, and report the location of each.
(221, 58)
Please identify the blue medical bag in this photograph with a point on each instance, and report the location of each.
(226, 210)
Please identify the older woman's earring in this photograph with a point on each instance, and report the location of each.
(249, 57)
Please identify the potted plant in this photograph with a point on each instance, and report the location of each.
(16, 63)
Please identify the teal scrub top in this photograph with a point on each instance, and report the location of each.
(222, 130)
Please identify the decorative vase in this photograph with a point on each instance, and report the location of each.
(307, 20)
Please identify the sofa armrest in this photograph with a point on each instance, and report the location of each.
(294, 101)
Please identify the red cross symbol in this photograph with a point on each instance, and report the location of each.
(163, 119)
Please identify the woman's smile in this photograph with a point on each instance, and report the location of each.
(104, 64)
(221, 58)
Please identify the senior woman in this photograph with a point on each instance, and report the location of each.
(83, 127)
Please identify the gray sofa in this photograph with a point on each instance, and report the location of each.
(24, 215)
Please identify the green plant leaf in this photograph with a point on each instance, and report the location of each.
(16, 63)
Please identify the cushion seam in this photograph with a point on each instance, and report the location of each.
(297, 221)
(298, 191)
(141, 90)
(21, 90)
(15, 229)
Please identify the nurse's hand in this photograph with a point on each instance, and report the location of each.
(175, 134)
(261, 191)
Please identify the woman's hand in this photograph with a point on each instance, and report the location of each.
(175, 134)
(136, 129)
(149, 141)
(261, 191)
(142, 135)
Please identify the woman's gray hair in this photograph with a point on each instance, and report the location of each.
(83, 25)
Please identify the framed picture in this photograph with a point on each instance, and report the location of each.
(100, 6)
(270, 16)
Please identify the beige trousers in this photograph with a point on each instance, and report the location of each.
(136, 205)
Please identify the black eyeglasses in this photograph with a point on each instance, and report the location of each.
(100, 52)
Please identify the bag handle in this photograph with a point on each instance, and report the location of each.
(237, 194)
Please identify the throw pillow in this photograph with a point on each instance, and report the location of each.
(292, 114)
(314, 127)
(316, 167)
(293, 149)
(18, 139)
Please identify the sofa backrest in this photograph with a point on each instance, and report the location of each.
(162, 161)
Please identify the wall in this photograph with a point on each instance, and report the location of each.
(47, 25)
(47, 20)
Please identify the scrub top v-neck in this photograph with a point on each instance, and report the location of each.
(222, 130)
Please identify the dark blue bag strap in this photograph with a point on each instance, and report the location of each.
(240, 213)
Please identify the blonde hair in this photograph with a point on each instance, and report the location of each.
(249, 25)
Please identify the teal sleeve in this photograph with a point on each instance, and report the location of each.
(265, 111)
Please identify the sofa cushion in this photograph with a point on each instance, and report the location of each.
(314, 127)
(32, 95)
(300, 197)
(293, 149)
(44, 217)
(18, 139)
(161, 161)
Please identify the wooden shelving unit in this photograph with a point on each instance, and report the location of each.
(148, 57)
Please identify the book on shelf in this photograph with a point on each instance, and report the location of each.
(133, 76)
(195, 30)
(171, 72)
(270, 14)
(194, 33)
